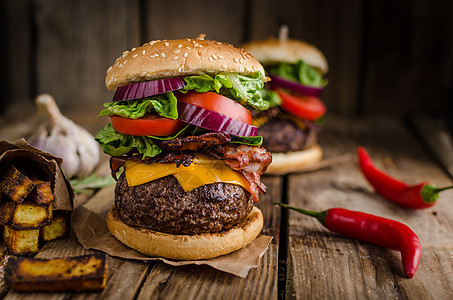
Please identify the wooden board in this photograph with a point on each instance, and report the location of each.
(219, 20)
(76, 44)
(327, 264)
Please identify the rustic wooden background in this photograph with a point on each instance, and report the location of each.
(386, 57)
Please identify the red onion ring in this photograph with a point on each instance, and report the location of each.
(214, 121)
(294, 86)
(148, 88)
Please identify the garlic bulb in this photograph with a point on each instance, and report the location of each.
(63, 138)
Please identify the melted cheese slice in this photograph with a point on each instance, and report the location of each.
(201, 171)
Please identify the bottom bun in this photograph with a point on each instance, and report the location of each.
(186, 247)
(283, 163)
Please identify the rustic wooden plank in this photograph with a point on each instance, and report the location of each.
(202, 282)
(407, 57)
(77, 42)
(437, 138)
(219, 20)
(322, 264)
(16, 54)
(333, 26)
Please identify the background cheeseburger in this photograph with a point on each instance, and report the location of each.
(289, 128)
(181, 132)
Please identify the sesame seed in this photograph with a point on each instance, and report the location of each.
(210, 58)
(188, 48)
(143, 74)
(156, 54)
(175, 58)
(177, 51)
(180, 45)
(241, 69)
(224, 66)
(115, 80)
(241, 60)
(219, 43)
(135, 55)
(221, 57)
(120, 66)
(152, 56)
(109, 69)
(167, 44)
(125, 62)
(186, 54)
(143, 52)
(133, 49)
(235, 60)
(214, 56)
(180, 68)
(163, 55)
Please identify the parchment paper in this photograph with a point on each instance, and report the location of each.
(90, 227)
(33, 161)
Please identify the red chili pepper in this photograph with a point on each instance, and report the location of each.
(372, 229)
(422, 195)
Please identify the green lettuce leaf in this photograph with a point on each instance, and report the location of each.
(247, 140)
(299, 72)
(272, 97)
(244, 89)
(164, 104)
(116, 144)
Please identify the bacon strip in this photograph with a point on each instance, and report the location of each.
(195, 143)
(243, 157)
(256, 185)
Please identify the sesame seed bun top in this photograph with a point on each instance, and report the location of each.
(172, 58)
(287, 50)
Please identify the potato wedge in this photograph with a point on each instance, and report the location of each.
(57, 228)
(21, 242)
(16, 185)
(31, 216)
(42, 194)
(7, 208)
(82, 273)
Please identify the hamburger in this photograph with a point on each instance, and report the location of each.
(186, 158)
(290, 127)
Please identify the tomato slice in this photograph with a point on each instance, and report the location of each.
(217, 103)
(306, 107)
(147, 125)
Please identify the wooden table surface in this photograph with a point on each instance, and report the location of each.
(305, 260)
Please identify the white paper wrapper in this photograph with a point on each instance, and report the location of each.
(90, 226)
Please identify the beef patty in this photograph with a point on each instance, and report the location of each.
(164, 206)
(282, 135)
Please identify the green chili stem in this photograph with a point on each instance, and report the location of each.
(430, 193)
(319, 215)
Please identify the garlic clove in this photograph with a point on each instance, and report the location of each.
(65, 139)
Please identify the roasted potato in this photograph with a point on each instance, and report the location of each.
(31, 215)
(57, 228)
(82, 273)
(16, 185)
(21, 242)
(7, 208)
(42, 194)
